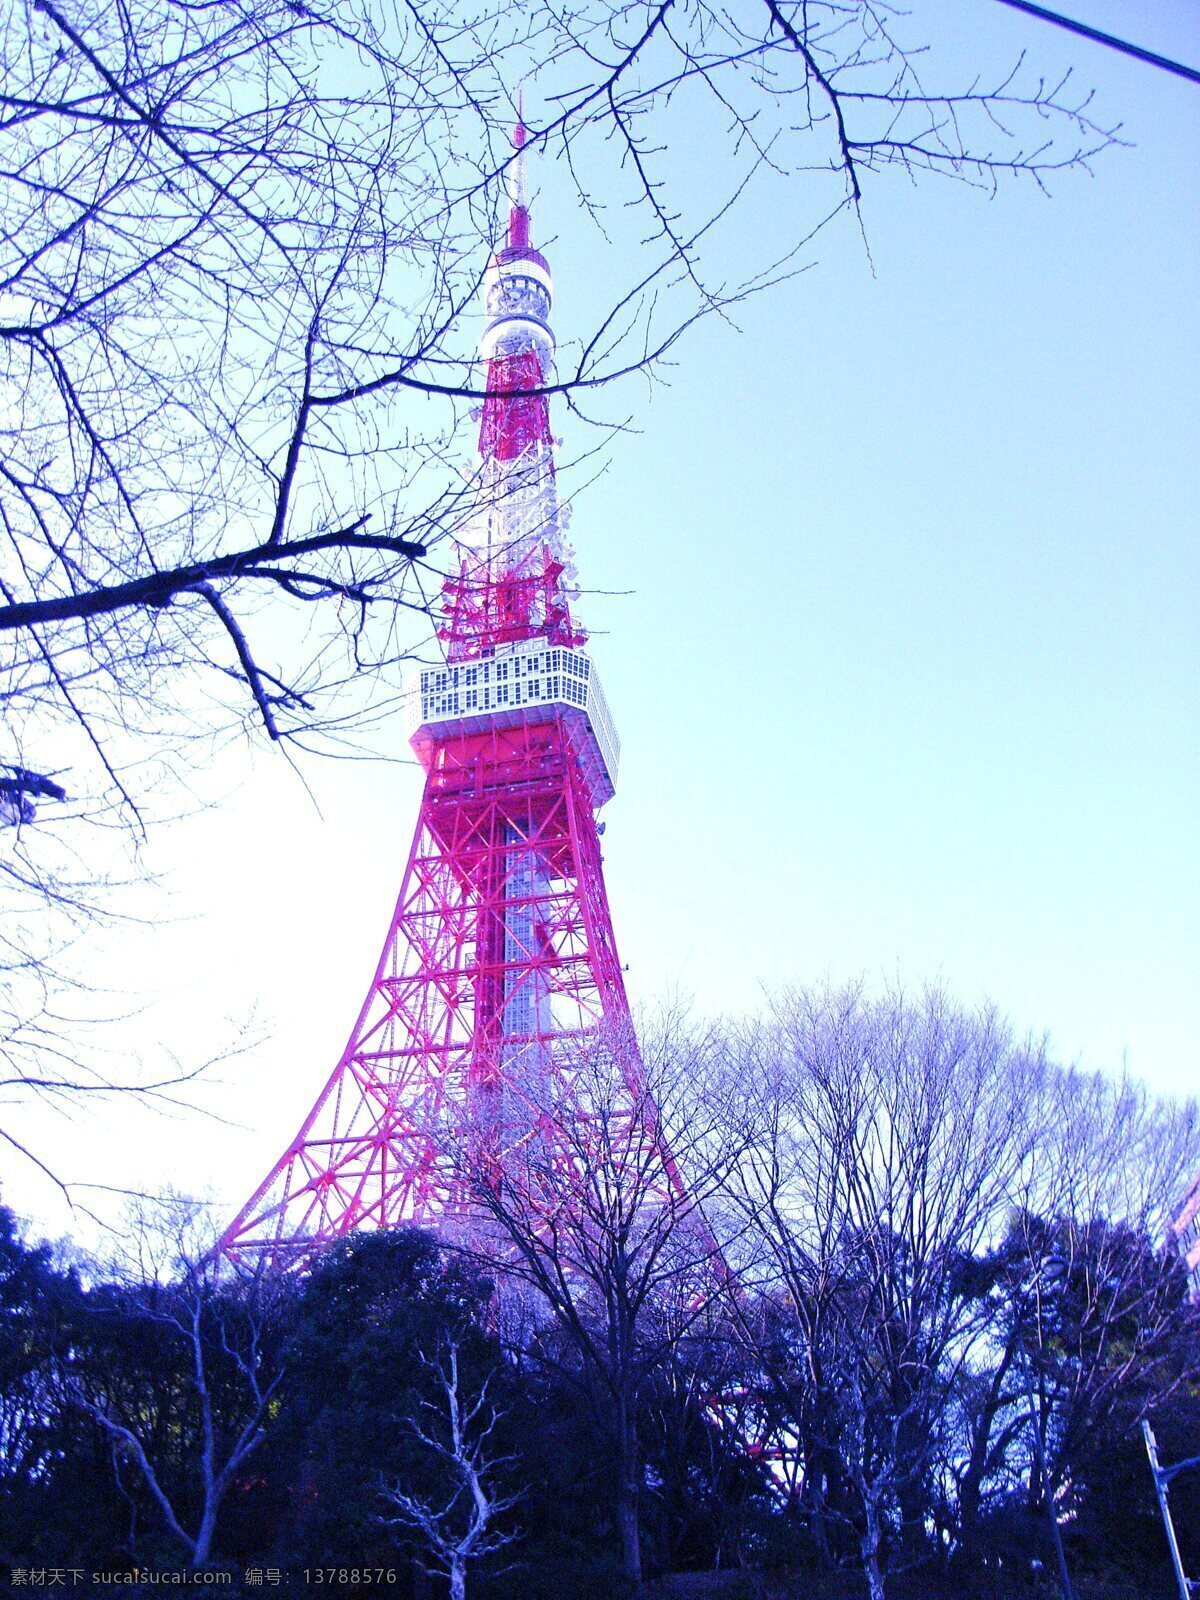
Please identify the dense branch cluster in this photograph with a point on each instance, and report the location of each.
(237, 243)
(200, 226)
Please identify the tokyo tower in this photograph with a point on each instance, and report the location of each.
(500, 961)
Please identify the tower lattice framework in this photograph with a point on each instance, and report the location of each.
(499, 962)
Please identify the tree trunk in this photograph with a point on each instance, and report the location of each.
(458, 1580)
(870, 1549)
(1036, 1419)
(627, 1497)
(204, 1538)
(627, 1526)
(969, 1501)
(970, 1489)
(1060, 1555)
(874, 1579)
(821, 1473)
(912, 1450)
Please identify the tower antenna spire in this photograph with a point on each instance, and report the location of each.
(518, 182)
(515, 578)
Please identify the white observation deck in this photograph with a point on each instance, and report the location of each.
(515, 685)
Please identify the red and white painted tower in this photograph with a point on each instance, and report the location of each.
(500, 956)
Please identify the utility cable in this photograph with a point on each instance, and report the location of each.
(1109, 39)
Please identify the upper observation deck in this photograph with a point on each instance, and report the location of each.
(519, 684)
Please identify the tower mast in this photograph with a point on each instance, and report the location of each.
(512, 586)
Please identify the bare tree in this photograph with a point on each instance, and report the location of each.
(458, 1525)
(955, 1263)
(190, 212)
(892, 1135)
(600, 1212)
(221, 1331)
(1095, 1309)
(199, 229)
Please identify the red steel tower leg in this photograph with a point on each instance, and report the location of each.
(500, 958)
(500, 954)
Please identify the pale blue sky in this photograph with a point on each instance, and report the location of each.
(907, 677)
(909, 681)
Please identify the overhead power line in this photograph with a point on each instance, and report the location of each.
(1112, 42)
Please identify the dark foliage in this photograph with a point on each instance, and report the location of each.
(365, 1325)
(352, 1343)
